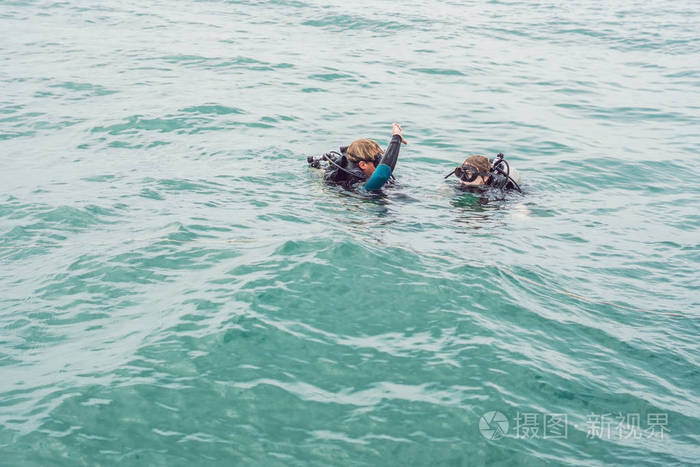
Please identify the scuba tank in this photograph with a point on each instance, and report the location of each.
(502, 175)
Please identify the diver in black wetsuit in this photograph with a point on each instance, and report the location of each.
(478, 172)
(362, 163)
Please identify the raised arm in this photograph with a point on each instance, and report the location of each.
(386, 165)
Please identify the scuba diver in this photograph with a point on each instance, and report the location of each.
(363, 164)
(478, 172)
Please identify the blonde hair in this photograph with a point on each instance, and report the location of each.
(363, 150)
(480, 162)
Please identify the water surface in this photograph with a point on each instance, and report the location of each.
(177, 287)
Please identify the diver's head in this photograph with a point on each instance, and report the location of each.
(366, 154)
(474, 171)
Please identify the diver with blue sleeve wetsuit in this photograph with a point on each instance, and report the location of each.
(363, 164)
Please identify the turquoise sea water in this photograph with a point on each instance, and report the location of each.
(178, 288)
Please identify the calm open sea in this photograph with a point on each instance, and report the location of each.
(177, 287)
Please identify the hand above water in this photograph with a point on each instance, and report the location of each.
(397, 130)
